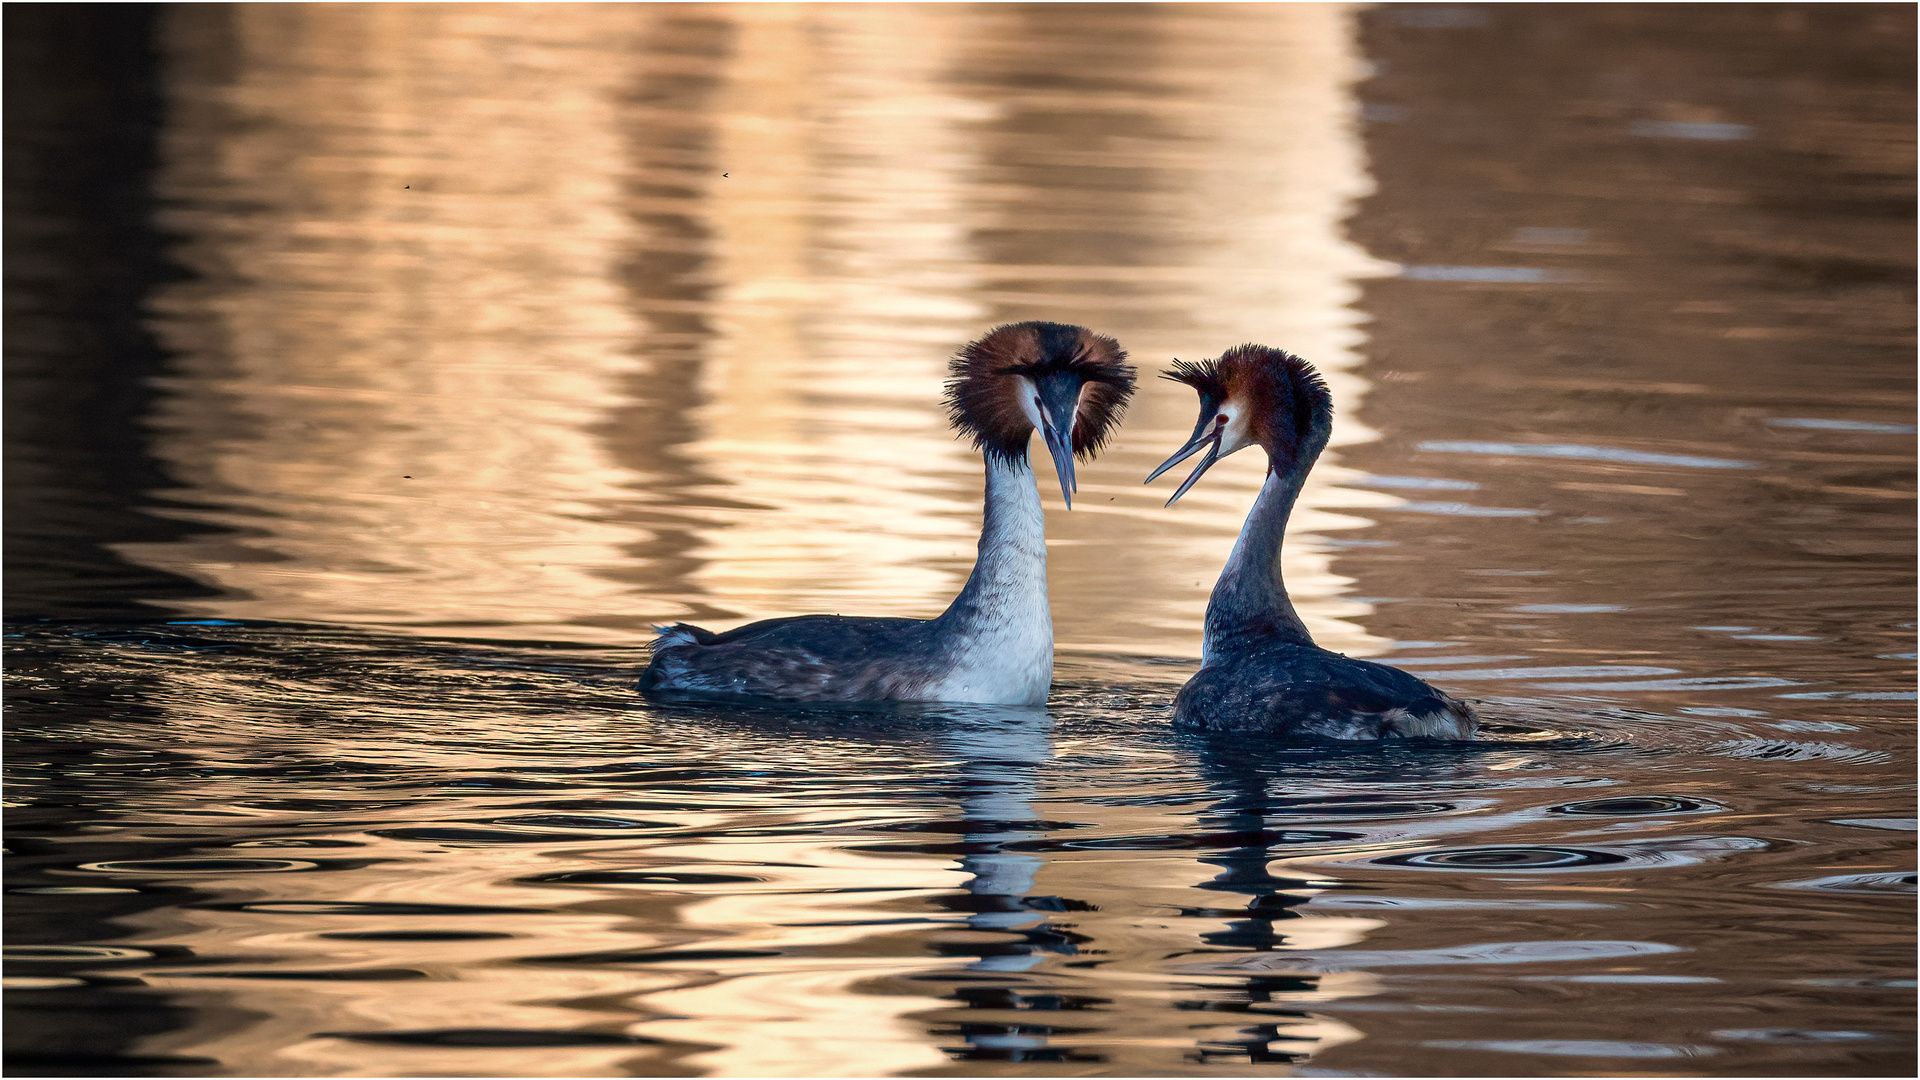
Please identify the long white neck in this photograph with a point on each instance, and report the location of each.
(999, 631)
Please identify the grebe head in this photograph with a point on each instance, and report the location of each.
(1066, 382)
(1253, 394)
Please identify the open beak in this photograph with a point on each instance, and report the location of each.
(1059, 404)
(1206, 435)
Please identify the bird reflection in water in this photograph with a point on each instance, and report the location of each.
(1002, 752)
(1280, 1034)
(1243, 833)
(1004, 931)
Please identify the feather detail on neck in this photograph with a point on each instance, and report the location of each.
(999, 630)
(1249, 604)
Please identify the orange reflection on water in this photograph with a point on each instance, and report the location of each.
(409, 318)
(551, 322)
(555, 322)
(842, 281)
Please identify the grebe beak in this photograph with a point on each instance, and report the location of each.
(1059, 405)
(1206, 434)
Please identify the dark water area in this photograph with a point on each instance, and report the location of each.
(81, 114)
(377, 374)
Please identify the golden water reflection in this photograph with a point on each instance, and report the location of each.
(814, 851)
(554, 321)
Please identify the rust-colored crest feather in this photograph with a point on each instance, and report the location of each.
(983, 394)
(1287, 401)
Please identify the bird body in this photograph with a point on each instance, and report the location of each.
(1280, 687)
(994, 643)
(1260, 671)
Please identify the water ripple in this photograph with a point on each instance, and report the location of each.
(76, 954)
(175, 867)
(1578, 452)
(361, 907)
(1631, 805)
(1602, 1048)
(504, 1038)
(1535, 858)
(1792, 1035)
(1889, 884)
(1495, 952)
(637, 877)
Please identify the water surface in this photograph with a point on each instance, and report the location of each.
(382, 372)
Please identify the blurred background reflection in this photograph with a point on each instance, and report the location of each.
(551, 327)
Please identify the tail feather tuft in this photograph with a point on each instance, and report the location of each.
(1437, 717)
(680, 634)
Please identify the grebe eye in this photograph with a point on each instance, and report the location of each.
(1219, 419)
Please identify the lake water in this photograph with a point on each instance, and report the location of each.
(379, 373)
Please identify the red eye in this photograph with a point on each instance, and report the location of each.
(1219, 419)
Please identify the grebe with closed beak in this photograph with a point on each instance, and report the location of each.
(994, 644)
(1260, 671)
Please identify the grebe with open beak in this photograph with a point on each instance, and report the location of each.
(1260, 671)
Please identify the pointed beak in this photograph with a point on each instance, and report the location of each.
(1206, 435)
(1059, 404)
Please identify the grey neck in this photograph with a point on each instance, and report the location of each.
(1008, 586)
(1249, 604)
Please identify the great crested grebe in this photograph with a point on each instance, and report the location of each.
(994, 644)
(1260, 671)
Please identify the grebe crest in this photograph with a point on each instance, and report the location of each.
(1067, 382)
(1253, 395)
